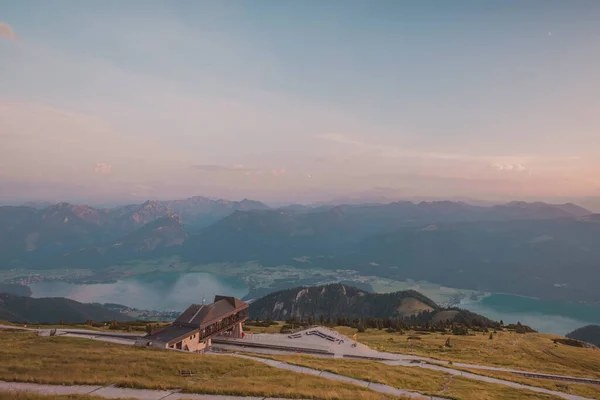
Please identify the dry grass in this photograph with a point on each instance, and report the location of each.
(261, 329)
(59, 360)
(137, 326)
(580, 389)
(412, 378)
(531, 352)
(35, 396)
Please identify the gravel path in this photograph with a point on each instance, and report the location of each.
(270, 343)
(110, 392)
(328, 375)
(399, 392)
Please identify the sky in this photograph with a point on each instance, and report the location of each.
(299, 101)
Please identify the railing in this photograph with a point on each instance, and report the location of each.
(223, 325)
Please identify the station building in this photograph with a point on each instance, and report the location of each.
(194, 328)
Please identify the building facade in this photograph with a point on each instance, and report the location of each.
(194, 328)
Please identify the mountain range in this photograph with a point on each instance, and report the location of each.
(52, 310)
(588, 333)
(534, 249)
(43, 235)
(342, 301)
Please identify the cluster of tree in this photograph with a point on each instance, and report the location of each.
(520, 328)
(256, 322)
(113, 324)
(422, 322)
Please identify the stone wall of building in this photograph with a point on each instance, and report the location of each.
(192, 342)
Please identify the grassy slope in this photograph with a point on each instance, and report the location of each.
(531, 352)
(412, 378)
(58, 360)
(138, 327)
(591, 391)
(261, 329)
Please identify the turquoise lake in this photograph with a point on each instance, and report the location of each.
(542, 315)
(174, 292)
(162, 292)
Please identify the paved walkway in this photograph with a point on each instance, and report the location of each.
(341, 378)
(399, 392)
(110, 392)
(309, 343)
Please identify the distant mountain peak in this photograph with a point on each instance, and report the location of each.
(339, 300)
(545, 210)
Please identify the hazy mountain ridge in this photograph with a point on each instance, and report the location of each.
(152, 240)
(544, 257)
(199, 212)
(52, 310)
(42, 236)
(16, 289)
(341, 301)
(588, 333)
(536, 249)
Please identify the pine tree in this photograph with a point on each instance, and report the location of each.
(360, 328)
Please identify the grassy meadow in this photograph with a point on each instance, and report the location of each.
(580, 389)
(35, 396)
(59, 360)
(531, 351)
(412, 378)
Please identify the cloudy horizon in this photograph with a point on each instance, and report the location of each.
(300, 102)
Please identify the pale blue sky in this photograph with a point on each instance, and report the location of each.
(299, 101)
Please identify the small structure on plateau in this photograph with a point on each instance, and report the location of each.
(193, 330)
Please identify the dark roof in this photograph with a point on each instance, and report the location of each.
(190, 314)
(235, 302)
(172, 333)
(198, 314)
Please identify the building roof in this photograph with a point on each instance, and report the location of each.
(235, 302)
(171, 333)
(198, 314)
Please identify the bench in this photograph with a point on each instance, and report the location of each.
(186, 372)
(321, 335)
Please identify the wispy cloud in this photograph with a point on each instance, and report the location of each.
(103, 169)
(7, 32)
(224, 168)
(339, 138)
(498, 162)
(509, 167)
(388, 150)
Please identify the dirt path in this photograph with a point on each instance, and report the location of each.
(399, 392)
(110, 392)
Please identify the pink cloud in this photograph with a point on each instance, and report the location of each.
(226, 168)
(7, 32)
(508, 167)
(103, 168)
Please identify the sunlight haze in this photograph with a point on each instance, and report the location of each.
(299, 102)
